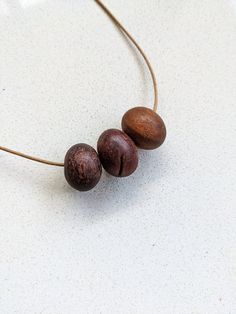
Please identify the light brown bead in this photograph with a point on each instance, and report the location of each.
(145, 127)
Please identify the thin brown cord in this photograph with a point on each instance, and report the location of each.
(122, 28)
(42, 161)
(118, 23)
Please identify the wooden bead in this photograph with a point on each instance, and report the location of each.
(117, 152)
(145, 127)
(82, 167)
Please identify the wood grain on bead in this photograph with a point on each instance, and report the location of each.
(82, 167)
(117, 152)
(145, 127)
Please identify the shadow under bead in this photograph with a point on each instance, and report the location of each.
(82, 167)
(145, 127)
(117, 152)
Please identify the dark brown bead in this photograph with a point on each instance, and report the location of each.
(82, 167)
(118, 153)
(145, 127)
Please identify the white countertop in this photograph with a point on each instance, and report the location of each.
(161, 241)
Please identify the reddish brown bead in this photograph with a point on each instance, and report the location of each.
(82, 167)
(145, 127)
(118, 153)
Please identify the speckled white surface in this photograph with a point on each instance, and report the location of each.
(161, 241)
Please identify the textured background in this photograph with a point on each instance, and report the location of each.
(161, 241)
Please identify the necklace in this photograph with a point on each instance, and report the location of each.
(116, 150)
